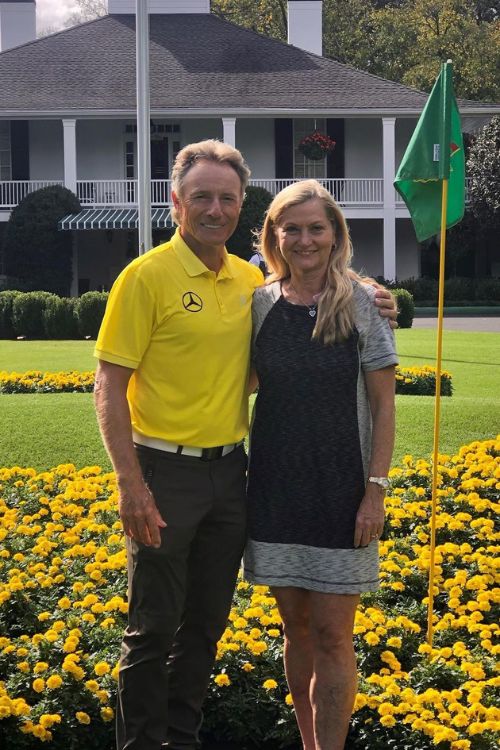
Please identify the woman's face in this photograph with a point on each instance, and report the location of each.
(305, 236)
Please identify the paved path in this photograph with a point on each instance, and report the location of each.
(476, 324)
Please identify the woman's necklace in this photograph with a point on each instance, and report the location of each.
(312, 309)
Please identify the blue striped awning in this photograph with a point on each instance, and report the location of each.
(115, 218)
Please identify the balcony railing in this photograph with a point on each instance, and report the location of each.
(13, 191)
(357, 192)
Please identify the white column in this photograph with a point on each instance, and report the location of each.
(69, 141)
(389, 171)
(143, 128)
(229, 131)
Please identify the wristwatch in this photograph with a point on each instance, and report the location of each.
(381, 481)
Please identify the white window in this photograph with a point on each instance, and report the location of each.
(303, 167)
(5, 157)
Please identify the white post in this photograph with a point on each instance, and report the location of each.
(389, 171)
(69, 145)
(143, 127)
(229, 130)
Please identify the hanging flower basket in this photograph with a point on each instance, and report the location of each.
(316, 146)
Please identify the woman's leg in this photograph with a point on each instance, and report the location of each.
(293, 604)
(334, 679)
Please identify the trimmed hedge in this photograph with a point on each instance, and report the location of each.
(28, 314)
(90, 309)
(6, 301)
(457, 289)
(59, 318)
(406, 307)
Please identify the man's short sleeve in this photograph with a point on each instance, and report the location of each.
(128, 322)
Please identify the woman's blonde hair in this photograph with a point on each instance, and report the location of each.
(335, 319)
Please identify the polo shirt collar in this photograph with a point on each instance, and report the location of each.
(192, 264)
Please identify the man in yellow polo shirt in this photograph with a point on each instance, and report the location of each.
(171, 400)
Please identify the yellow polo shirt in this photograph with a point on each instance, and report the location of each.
(185, 332)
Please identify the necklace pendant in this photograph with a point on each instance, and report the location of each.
(312, 312)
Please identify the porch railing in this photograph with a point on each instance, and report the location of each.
(12, 192)
(349, 191)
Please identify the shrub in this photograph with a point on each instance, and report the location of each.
(421, 381)
(458, 289)
(406, 307)
(487, 290)
(59, 318)
(35, 250)
(90, 312)
(6, 326)
(255, 205)
(27, 314)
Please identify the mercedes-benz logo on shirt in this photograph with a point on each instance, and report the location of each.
(192, 302)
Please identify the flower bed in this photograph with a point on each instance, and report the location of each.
(62, 611)
(409, 381)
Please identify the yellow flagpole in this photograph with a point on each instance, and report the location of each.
(437, 414)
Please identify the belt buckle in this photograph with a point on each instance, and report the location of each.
(209, 454)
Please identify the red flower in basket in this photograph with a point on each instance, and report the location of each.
(316, 146)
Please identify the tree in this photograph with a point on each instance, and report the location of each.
(401, 40)
(87, 11)
(483, 168)
(35, 251)
(257, 200)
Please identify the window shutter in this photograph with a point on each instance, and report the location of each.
(283, 148)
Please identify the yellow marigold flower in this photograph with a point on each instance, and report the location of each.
(40, 666)
(247, 667)
(82, 717)
(269, 684)
(289, 700)
(222, 680)
(107, 713)
(388, 721)
(48, 720)
(371, 638)
(54, 681)
(38, 685)
(64, 603)
(101, 668)
(23, 666)
(43, 616)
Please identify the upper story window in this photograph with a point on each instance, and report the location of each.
(303, 167)
(5, 154)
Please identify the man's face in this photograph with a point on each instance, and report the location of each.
(209, 206)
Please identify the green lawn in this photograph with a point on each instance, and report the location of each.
(47, 429)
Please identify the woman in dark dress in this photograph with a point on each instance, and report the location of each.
(321, 445)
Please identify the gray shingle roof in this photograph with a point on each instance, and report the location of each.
(196, 62)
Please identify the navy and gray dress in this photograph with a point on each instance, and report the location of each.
(310, 446)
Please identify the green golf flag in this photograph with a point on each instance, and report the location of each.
(435, 153)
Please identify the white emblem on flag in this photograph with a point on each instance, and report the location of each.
(435, 156)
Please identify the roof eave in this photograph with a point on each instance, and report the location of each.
(238, 112)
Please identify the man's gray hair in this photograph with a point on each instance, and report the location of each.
(212, 150)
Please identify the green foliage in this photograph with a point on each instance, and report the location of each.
(6, 326)
(257, 200)
(458, 289)
(90, 312)
(422, 289)
(483, 168)
(421, 381)
(59, 318)
(406, 307)
(28, 314)
(36, 252)
(487, 290)
(401, 40)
